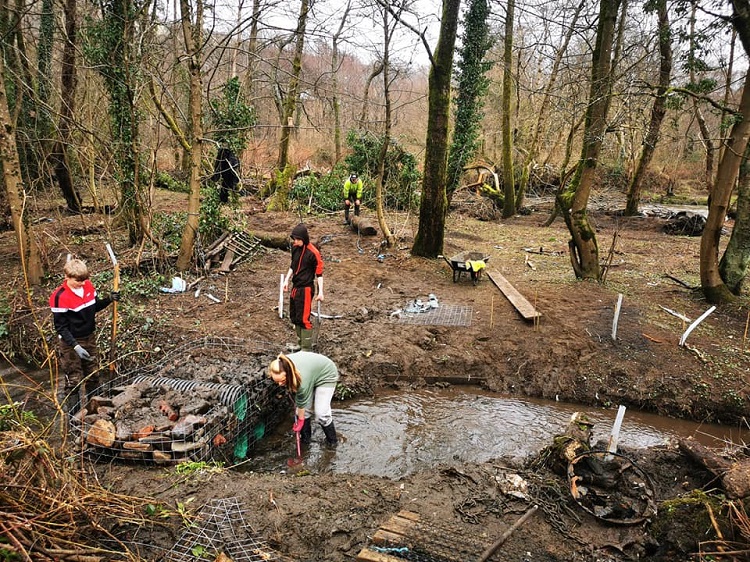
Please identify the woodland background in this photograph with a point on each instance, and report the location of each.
(103, 102)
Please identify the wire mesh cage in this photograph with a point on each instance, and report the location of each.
(221, 533)
(207, 400)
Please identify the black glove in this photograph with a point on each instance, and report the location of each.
(82, 353)
(115, 296)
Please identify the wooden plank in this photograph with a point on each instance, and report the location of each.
(228, 257)
(522, 305)
(385, 537)
(396, 530)
(367, 555)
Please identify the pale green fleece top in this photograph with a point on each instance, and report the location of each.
(316, 370)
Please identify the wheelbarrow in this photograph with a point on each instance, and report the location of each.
(458, 264)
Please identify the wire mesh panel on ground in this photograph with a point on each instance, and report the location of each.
(220, 529)
(406, 536)
(444, 315)
(208, 400)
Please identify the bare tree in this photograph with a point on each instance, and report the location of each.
(11, 168)
(573, 200)
(192, 32)
(658, 110)
(290, 99)
(509, 183)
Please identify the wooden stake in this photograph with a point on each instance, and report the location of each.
(226, 290)
(491, 550)
(744, 337)
(492, 312)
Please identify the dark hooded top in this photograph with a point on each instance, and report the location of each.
(306, 261)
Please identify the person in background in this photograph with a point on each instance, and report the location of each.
(226, 172)
(74, 306)
(305, 269)
(352, 194)
(311, 378)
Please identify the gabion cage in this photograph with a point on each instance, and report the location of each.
(208, 400)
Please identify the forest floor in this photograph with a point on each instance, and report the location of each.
(569, 354)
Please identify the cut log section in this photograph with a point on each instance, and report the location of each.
(523, 306)
(363, 226)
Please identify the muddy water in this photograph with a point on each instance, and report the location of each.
(398, 433)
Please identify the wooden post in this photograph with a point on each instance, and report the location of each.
(498, 543)
(115, 287)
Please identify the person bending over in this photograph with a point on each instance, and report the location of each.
(311, 378)
(352, 194)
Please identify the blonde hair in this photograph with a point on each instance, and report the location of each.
(76, 269)
(282, 365)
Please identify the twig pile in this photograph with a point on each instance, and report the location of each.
(52, 510)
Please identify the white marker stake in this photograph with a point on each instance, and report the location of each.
(615, 435)
(700, 319)
(618, 307)
(281, 297)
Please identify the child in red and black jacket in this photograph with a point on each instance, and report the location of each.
(74, 306)
(305, 270)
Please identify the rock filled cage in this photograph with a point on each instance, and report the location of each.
(208, 400)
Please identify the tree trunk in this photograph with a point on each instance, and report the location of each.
(509, 183)
(377, 68)
(702, 126)
(290, 102)
(658, 111)
(573, 201)
(193, 36)
(734, 263)
(68, 80)
(11, 170)
(712, 283)
(430, 236)
(335, 62)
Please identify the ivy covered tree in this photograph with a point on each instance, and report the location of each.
(232, 117)
(472, 86)
(110, 48)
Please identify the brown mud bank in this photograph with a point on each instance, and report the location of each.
(568, 354)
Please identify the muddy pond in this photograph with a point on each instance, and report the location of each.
(400, 432)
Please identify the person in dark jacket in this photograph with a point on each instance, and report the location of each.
(306, 268)
(74, 306)
(226, 171)
(311, 378)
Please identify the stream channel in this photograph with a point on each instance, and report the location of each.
(400, 432)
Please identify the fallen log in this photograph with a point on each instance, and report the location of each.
(276, 240)
(364, 226)
(733, 474)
